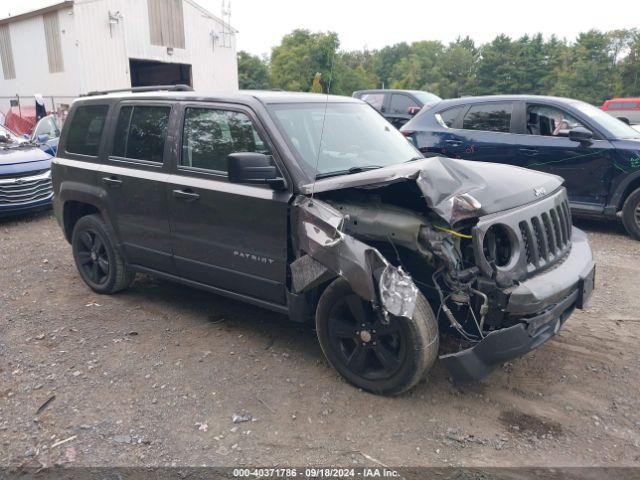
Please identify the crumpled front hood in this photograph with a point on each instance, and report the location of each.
(497, 187)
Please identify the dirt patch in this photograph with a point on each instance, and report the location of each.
(199, 359)
(530, 424)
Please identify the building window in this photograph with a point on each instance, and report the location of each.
(54, 42)
(6, 53)
(166, 23)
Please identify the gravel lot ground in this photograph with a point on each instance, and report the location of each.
(153, 376)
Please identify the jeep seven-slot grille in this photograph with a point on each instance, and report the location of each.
(547, 237)
(20, 190)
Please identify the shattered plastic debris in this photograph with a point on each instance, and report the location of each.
(70, 455)
(242, 417)
(398, 293)
(202, 427)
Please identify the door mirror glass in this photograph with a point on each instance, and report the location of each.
(254, 168)
(44, 138)
(580, 134)
(413, 111)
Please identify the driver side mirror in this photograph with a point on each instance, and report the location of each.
(580, 134)
(44, 138)
(255, 168)
(413, 111)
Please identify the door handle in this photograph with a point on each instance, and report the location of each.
(529, 152)
(187, 195)
(112, 181)
(453, 143)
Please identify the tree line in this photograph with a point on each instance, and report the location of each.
(596, 66)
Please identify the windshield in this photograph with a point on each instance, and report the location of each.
(356, 137)
(614, 126)
(426, 98)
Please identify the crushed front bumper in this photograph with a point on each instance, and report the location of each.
(541, 305)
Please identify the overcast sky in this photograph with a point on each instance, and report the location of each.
(262, 23)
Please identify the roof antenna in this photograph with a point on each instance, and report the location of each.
(324, 117)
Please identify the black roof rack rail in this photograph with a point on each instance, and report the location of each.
(154, 88)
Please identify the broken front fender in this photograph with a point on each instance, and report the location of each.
(324, 251)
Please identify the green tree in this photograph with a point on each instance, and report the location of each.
(454, 73)
(627, 67)
(353, 71)
(587, 73)
(300, 55)
(386, 59)
(417, 70)
(497, 68)
(595, 67)
(253, 72)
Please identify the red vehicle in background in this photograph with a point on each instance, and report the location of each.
(625, 109)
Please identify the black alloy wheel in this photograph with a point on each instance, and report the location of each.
(92, 257)
(97, 256)
(380, 356)
(362, 340)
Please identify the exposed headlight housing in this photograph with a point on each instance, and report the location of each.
(464, 206)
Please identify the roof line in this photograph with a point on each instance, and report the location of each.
(209, 14)
(37, 13)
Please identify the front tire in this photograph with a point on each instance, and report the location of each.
(97, 258)
(383, 359)
(631, 214)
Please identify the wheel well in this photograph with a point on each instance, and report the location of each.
(635, 184)
(74, 211)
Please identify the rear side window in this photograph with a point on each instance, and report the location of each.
(141, 132)
(210, 135)
(376, 100)
(400, 104)
(447, 118)
(490, 117)
(85, 131)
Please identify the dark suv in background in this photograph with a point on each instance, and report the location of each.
(397, 106)
(596, 154)
(314, 206)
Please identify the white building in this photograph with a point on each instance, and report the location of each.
(75, 47)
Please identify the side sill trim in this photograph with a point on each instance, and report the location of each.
(220, 291)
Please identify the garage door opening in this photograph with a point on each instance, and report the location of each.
(146, 73)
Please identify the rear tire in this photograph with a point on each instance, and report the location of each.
(383, 359)
(631, 214)
(97, 257)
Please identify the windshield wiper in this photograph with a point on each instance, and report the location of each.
(348, 171)
(413, 159)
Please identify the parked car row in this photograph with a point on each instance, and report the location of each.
(25, 175)
(597, 155)
(397, 106)
(25, 160)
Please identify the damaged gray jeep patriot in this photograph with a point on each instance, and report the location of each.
(315, 207)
